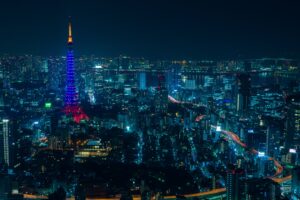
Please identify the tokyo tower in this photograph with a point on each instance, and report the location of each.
(71, 96)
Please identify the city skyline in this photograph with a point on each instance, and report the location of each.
(159, 121)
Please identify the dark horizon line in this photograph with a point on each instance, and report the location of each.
(151, 58)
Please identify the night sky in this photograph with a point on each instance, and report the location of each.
(190, 29)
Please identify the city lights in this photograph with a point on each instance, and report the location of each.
(261, 154)
(292, 150)
(151, 103)
(48, 105)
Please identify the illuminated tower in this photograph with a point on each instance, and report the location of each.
(71, 96)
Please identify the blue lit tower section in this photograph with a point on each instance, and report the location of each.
(71, 96)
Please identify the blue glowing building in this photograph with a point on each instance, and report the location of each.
(142, 81)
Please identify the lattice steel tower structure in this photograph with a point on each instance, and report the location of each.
(71, 96)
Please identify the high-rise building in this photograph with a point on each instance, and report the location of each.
(272, 139)
(5, 155)
(293, 124)
(243, 92)
(173, 77)
(71, 95)
(190, 84)
(161, 98)
(142, 81)
(232, 183)
(259, 188)
(296, 183)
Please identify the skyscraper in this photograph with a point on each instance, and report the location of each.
(232, 183)
(296, 183)
(4, 142)
(293, 123)
(142, 80)
(243, 93)
(259, 188)
(161, 98)
(71, 95)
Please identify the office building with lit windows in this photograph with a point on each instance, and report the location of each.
(5, 142)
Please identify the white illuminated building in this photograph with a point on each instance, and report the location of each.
(5, 151)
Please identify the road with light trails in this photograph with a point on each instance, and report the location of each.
(200, 194)
(199, 118)
(283, 179)
(31, 196)
(218, 191)
(236, 139)
(173, 100)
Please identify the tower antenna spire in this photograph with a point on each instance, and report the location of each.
(70, 38)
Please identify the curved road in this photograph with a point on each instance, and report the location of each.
(237, 140)
(233, 136)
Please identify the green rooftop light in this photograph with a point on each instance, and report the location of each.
(48, 105)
